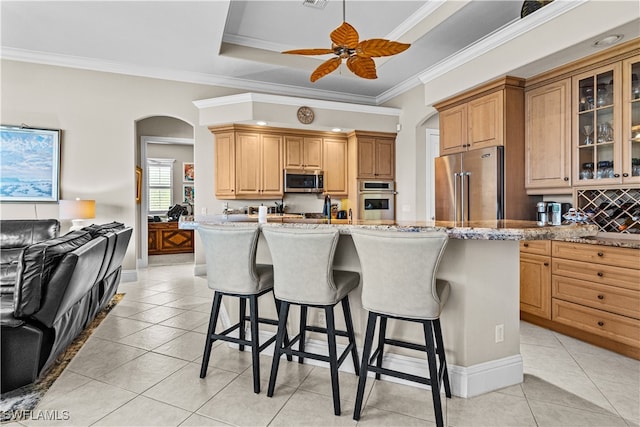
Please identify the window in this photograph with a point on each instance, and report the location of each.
(160, 188)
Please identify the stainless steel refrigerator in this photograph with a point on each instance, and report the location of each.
(470, 185)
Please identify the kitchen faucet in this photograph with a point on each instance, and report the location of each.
(326, 210)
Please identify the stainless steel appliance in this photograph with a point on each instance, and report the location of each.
(541, 213)
(302, 181)
(376, 200)
(470, 185)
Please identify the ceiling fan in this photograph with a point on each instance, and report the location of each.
(346, 45)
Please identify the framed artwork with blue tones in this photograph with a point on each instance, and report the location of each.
(29, 164)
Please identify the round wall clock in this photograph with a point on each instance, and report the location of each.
(305, 115)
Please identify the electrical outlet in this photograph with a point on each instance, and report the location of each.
(322, 320)
(499, 333)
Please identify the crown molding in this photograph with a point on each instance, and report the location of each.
(499, 37)
(413, 20)
(287, 100)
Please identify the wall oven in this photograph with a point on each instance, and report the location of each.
(376, 200)
(301, 181)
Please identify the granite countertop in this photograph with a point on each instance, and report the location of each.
(618, 242)
(475, 230)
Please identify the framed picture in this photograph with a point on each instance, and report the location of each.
(189, 193)
(138, 184)
(188, 172)
(29, 164)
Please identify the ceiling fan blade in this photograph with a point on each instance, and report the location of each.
(362, 66)
(308, 51)
(325, 68)
(345, 35)
(380, 47)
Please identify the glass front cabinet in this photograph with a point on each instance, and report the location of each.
(606, 129)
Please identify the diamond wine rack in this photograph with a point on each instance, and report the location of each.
(612, 210)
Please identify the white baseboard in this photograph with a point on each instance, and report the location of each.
(129, 276)
(200, 270)
(465, 381)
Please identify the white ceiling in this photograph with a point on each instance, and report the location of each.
(238, 43)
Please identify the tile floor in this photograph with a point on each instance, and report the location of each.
(141, 366)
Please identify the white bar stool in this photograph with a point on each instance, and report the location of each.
(399, 282)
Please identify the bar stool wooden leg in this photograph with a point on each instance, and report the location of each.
(255, 342)
(443, 360)
(282, 329)
(333, 358)
(241, 317)
(303, 330)
(433, 372)
(352, 335)
(364, 367)
(213, 320)
(286, 335)
(382, 333)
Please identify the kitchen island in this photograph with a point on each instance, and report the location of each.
(480, 322)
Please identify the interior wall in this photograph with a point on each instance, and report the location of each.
(181, 153)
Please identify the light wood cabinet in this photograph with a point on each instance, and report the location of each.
(259, 165)
(374, 154)
(167, 238)
(303, 152)
(631, 120)
(335, 167)
(535, 277)
(484, 117)
(225, 164)
(548, 138)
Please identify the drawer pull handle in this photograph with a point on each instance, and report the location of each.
(600, 254)
(600, 274)
(600, 323)
(526, 245)
(600, 296)
(546, 264)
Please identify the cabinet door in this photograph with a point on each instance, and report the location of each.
(631, 120)
(453, 130)
(335, 172)
(312, 154)
(366, 157)
(271, 166)
(535, 285)
(385, 159)
(248, 164)
(293, 152)
(548, 136)
(225, 164)
(486, 121)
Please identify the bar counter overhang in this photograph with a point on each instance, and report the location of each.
(481, 261)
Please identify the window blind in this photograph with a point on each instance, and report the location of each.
(160, 187)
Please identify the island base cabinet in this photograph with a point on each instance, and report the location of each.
(535, 287)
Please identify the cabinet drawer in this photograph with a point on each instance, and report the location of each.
(597, 273)
(615, 327)
(536, 247)
(609, 298)
(609, 255)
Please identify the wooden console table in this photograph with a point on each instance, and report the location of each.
(167, 238)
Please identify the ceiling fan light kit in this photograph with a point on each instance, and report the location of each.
(346, 45)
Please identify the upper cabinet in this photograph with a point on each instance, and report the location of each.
(225, 164)
(302, 152)
(480, 118)
(335, 166)
(375, 155)
(631, 120)
(548, 136)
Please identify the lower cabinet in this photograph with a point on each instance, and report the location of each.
(167, 238)
(590, 292)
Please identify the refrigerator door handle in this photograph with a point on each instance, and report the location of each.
(455, 196)
(464, 177)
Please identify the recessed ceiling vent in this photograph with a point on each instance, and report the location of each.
(317, 4)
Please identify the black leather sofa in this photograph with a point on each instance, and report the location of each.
(52, 287)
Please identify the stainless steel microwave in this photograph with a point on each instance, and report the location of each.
(302, 181)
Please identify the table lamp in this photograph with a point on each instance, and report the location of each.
(77, 210)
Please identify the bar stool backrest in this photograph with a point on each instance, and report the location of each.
(230, 253)
(399, 271)
(303, 264)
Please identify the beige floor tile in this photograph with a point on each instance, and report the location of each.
(531, 334)
(152, 337)
(196, 420)
(162, 298)
(403, 399)
(231, 404)
(143, 411)
(142, 373)
(514, 390)
(190, 302)
(114, 327)
(576, 391)
(157, 314)
(188, 320)
(492, 409)
(550, 415)
(228, 358)
(67, 382)
(319, 381)
(98, 356)
(188, 346)
(311, 409)
(625, 398)
(377, 417)
(126, 308)
(290, 374)
(613, 368)
(86, 404)
(554, 360)
(185, 389)
(137, 295)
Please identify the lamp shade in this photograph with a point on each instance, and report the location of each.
(77, 209)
